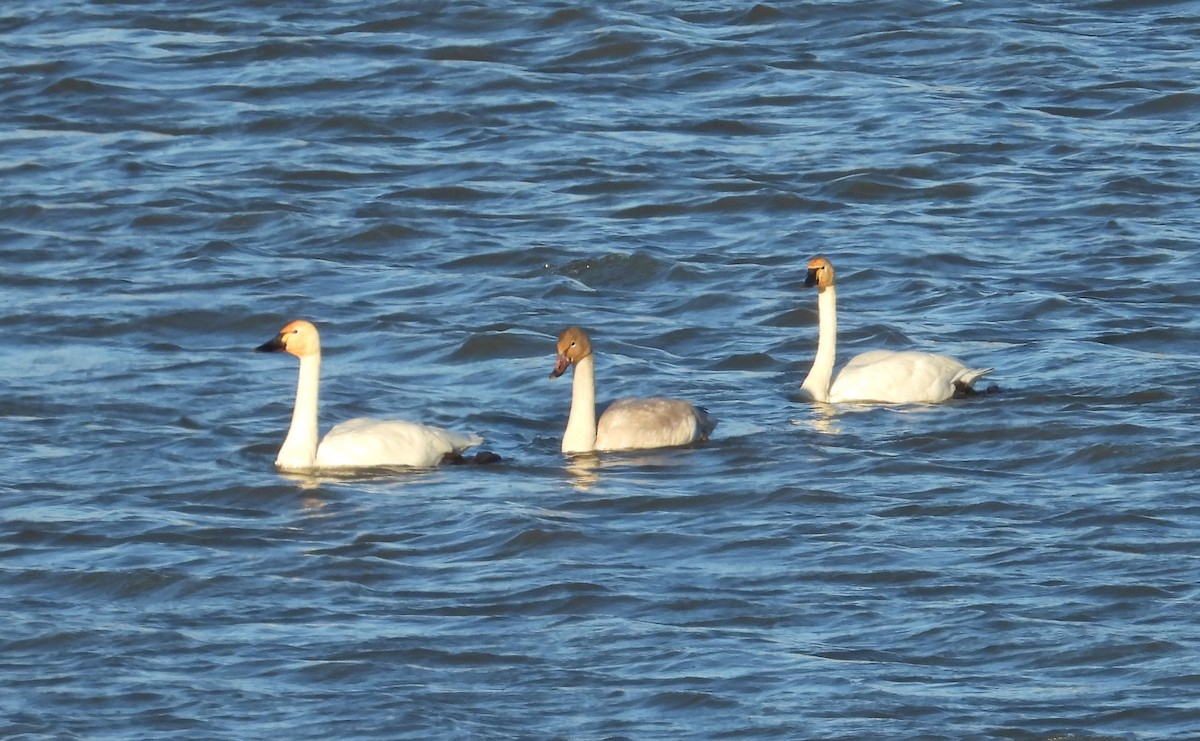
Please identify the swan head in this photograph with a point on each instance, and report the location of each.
(573, 346)
(300, 338)
(820, 273)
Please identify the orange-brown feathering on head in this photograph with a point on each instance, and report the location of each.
(820, 273)
(573, 346)
(299, 338)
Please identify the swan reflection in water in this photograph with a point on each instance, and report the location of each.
(585, 470)
(822, 421)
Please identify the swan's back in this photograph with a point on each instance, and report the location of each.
(364, 443)
(634, 424)
(902, 378)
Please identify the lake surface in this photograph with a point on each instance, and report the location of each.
(442, 187)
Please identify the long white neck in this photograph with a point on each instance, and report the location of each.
(580, 435)
(816, 385)
(299, 449)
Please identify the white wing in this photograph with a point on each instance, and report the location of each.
(901, 378)
(360, 443)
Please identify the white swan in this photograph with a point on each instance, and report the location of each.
(880, 376)
(355, 443)
(627, 424)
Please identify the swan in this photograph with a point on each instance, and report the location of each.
(881, 376)
(355, 443)
(627, 424)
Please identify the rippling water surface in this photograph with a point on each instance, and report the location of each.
(442, 187)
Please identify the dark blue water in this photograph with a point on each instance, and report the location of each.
(441, 187)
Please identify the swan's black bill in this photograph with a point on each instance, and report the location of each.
(275, 345)
(810, 280)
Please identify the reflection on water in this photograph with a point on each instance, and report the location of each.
(823, 419)
(398, 475)
(583, 469)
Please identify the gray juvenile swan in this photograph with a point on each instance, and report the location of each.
(627, 424)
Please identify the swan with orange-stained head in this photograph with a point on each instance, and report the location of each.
(627, 424)
(876, 376)
(355, 443)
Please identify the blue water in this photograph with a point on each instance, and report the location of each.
(442, 187)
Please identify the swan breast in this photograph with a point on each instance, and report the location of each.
(632, 424)
(358, 443)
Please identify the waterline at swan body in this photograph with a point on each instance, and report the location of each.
(355, 443)
(876, 376)
(627, 424)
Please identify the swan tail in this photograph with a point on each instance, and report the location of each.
(482, 458)
(965, 383)
(462, 442)
(705, 423)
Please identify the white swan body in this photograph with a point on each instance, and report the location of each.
(878, 376)
(627, 424)
(362, 442)
(355, 443)
(901, 378)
